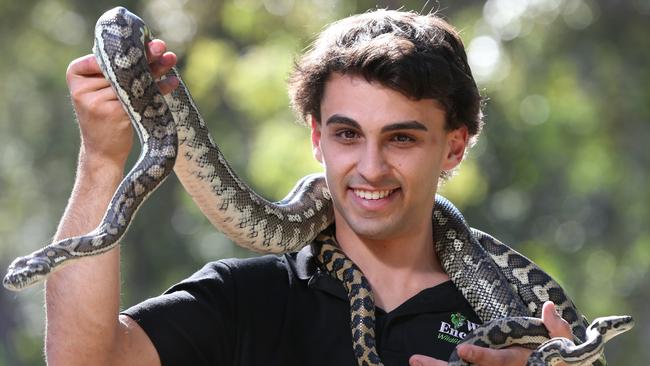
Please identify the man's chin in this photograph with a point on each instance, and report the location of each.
(374, 229)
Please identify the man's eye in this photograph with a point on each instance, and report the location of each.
(403, 138)
(347, 134)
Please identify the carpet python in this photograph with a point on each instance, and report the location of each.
(505, 289)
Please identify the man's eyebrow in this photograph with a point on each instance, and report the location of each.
(406, 125)
(396, 126)
(339, 119)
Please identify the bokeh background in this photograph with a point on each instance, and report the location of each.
(560, 173)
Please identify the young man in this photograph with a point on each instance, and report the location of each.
(392, 106)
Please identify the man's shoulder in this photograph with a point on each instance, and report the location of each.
(256, 264)
(263, 268)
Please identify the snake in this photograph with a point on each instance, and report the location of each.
(504, 288)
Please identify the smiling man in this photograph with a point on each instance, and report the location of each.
(382, 154)
(393, 107)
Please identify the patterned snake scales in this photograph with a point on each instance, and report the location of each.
(504, 288)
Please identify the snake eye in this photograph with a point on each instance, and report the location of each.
(602, 330)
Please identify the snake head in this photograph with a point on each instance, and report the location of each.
(119, 23)
(26, 271)
(611, 326)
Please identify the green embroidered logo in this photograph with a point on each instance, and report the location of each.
(456, 330)
(458, 319)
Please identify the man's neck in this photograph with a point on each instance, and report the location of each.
(397, 268)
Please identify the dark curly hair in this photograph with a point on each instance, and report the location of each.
(420, 56)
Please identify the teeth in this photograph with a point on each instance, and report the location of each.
(372, 195)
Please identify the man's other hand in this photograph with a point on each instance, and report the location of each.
(511, 356)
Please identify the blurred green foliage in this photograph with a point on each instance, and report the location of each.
(560, 173)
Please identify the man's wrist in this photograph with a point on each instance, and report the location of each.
(100, 167)
(97, 179)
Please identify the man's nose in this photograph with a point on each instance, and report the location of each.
(372, 164)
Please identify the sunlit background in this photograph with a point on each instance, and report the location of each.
(561, 172)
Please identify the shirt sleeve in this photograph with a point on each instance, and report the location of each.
(193, 323)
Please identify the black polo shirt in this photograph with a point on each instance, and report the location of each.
(284, 311)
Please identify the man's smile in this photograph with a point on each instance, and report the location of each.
(373, 195)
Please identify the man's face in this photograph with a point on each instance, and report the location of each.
(383, 154)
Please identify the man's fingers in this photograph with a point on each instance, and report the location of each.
(419, 360)
(479, 355)
(167, 85)
(88, 85)
(163, 64)
(556, 326)
(155, 48)
(83, 87)
(84, 66)
(493, 357)
(160, 61)
(106, 94)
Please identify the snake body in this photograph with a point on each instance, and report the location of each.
(503, 287)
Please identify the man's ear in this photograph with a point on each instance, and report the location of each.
(457, 141)
(315, 139)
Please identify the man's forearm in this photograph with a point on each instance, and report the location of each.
(82, 299)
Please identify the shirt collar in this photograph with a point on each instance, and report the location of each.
(306, 269)
(305, 264)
